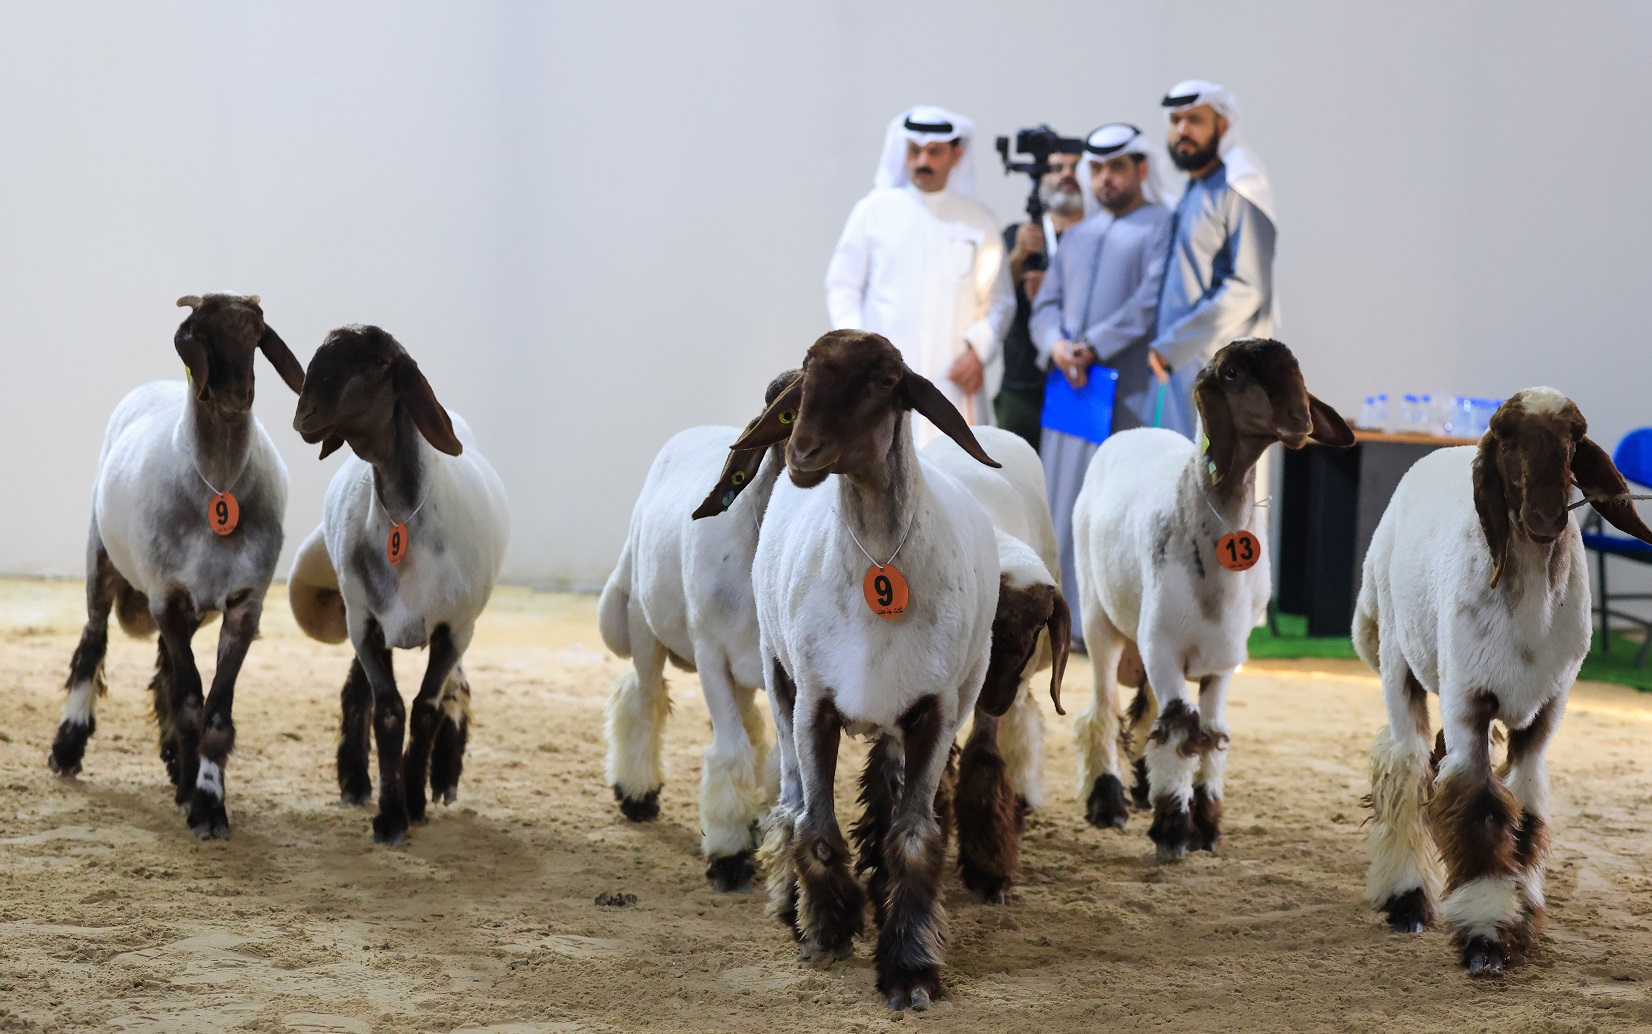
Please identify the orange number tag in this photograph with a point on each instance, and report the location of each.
(395, 547)
(885, 590)
(223, 513)
(1238, 551)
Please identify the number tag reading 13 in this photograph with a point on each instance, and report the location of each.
(223, 513)
(1238, 551)
(885, 591)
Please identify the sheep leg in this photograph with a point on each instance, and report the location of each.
(1021, 741)
(830, 903)
(908, 958)
(1213, 761)
(355, 785)
(1138, 725)
(180, 715)
(1476, 820)
(1097, 728)
(880, 788)
(447, 759)
(160, 699)
(86, 682)
(389, 727)
(208, 816)
(730, 794)
(1526, 775)
(1403, 881)
(988, 846)
(1174, 749)
(426, 719)
(635, 725)
(779, 825)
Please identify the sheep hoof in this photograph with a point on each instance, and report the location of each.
(1483, 957)
(915, 988)
(69, 747)
(1107, 808)
(732, 872)
(639, 809)
(993, 887)
(356, 798)
(822, 956)
(207, 818)
(387, 832)
(1139, 787)
(445, 796)
(1407, 913)
(1169, 854)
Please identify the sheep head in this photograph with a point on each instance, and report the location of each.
(217, 341)
(1536, 448)
(359, 381)
(1250, 395)
(842, 414)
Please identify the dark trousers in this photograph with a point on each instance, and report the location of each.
(1020, 410)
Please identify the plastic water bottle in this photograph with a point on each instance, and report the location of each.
(1382, 415)
(1408, 415)
(1428, 421)
(1367, 411)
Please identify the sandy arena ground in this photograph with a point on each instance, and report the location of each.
(112, 916)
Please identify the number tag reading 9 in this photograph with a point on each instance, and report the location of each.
(885, 591)
(395, 547)
(1238, 551)
(223, 513)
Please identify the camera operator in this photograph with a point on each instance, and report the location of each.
(1020, 402)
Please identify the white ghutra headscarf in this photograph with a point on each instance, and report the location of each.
(1109, 141)
(1245, 172)
(922, 125)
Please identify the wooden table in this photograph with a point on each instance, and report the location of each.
(1330, 503)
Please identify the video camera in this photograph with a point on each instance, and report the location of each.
(1037, 143)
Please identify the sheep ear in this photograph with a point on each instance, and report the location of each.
(1060, 627)
(1606, 490)
(737, 474)
(1492, 505)
(282, 358)
(194, 355)
(428, 415)
(777, 421)
(329, 445)
(925, 399)
(1329, 427)
(1221, 444)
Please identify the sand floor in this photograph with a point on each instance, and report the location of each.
(113, 917)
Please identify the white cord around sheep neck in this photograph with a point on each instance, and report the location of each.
(193, 462)
(1223, 520)
(1585, 500)
(909, 522)
(386, 509)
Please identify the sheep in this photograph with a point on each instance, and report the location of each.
(186, 525)
(682, 590)
(413, 532)
(890, 532)
(998, 779)
(1476, 590)
(1164, 562)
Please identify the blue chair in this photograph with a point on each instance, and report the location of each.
(1633, 459)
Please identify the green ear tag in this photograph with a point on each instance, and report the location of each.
(728, 499)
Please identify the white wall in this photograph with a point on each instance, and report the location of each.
(595, 224)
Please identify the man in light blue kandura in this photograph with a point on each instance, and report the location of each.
(1218, 281)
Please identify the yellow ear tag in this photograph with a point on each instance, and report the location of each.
(787, 416)
(739, 477)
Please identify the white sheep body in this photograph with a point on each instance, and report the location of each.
(1145, 542)
(456, 545)
(1434, 607)
(813, 617)
(685, 586)
(150, 504)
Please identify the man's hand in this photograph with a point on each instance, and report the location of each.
(966, 372)
(1161, 369)
(1031, 281)
(1073, 361)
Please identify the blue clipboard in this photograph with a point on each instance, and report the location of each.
(1085, 412)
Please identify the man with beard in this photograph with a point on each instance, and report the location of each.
(1218, 281)
(1021, 399)
(920, 262)
(1097, 307)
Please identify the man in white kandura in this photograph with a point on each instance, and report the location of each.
(921, 262)
(1218, 282)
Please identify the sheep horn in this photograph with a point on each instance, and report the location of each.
(191, 301)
